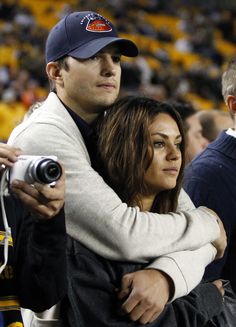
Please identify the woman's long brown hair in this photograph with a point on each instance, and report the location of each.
(124, 146)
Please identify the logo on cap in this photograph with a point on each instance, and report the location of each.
(97, 23)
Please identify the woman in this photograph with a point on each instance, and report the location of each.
(141, 145)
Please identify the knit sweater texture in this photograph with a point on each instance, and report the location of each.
(210, 180)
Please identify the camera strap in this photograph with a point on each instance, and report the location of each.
(7, 235)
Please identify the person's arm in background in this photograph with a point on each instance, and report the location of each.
(39, 237)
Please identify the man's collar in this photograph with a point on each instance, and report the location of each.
(85, 128)
(231, 132)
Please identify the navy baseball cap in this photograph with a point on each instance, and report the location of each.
(82, 34)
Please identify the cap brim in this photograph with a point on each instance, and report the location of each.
(127, 48)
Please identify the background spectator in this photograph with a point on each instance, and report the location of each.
(213, 122)
(196, 142)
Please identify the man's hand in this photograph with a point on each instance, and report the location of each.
(8, 156)
(42, 200)
(148, 292)
(221, 242)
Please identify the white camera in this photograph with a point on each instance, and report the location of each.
(31, 169)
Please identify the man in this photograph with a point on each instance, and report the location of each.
(210, 180)
(33, 272)
(196, 142)
(83, 55)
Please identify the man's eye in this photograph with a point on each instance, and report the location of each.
(94, 57)
(116, 59)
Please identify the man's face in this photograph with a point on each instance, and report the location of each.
(92, 84)
(195, 140)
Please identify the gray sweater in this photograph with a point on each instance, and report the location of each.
(176, 243)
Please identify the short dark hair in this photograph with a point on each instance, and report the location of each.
(62, 63)
(185, 110)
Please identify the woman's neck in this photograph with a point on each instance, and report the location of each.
(147, 202)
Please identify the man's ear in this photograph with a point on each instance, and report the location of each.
(231, 103)
(54, 72)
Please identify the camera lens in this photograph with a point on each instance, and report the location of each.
(52, 170)
(46, 171)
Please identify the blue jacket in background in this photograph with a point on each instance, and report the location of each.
(210, 180)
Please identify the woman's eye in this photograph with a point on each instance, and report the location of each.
(178, 145)
(159, 144)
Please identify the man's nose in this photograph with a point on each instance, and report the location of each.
(108, 66)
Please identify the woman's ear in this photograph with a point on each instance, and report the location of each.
(54, 72)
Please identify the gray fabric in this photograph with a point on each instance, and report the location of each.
(92, 300)
(97, 218)
(227, 318)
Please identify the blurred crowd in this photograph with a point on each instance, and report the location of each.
(183, 49)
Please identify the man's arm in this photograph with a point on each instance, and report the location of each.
(97, 217)
(146, 310)
(185, 268)
(167, 275)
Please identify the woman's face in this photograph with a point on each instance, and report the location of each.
(167, 158)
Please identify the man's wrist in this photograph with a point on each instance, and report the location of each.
(167, 280)
(170, 284)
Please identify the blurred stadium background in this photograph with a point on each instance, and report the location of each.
(184, 46)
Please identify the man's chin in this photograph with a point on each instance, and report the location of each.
(103, 104)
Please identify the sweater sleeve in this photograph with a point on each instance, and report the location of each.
(185, 276)
(95, 215)
(186, 268)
